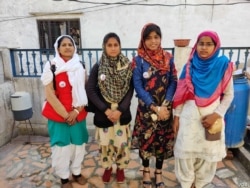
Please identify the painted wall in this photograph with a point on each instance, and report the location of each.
(18, 25)
(18, 29)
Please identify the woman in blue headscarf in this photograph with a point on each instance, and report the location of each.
(203, 95)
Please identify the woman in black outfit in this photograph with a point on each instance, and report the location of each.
(110, 89)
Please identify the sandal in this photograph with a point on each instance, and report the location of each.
(146, 184)
(229, 155)
(159, 184)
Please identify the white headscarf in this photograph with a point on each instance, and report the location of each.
(75, 71)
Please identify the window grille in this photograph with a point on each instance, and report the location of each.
(49, 30)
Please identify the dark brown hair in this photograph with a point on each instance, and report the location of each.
(149, 29)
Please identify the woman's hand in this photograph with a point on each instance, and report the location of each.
(109, 114)
(208, 120)
(114, 116)
(176, 125)
(163, 113)
(71, 119)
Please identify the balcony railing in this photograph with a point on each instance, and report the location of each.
(30, 62)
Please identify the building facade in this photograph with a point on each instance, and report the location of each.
(35, 24)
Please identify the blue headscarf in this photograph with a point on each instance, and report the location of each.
(207, 74)
(204, 80)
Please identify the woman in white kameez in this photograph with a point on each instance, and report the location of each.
(203, 95)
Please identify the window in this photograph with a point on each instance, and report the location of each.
(49, 30)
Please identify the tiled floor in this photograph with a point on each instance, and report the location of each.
(25, 165)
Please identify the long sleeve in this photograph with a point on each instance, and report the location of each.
(226, 100)
(172, 82)
(139, 84)
(91, 89)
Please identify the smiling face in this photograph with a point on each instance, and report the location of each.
(112, 47)
(205, 47)
(66, 48)
(152, 41)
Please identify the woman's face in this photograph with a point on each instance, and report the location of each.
(205, 47)
(66, 49)
(112, 47)
(153, 41)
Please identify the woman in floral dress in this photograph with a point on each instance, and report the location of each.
(155, 80)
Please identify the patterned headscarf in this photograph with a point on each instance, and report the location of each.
(114, 76)
(159, 59)
(204, 80)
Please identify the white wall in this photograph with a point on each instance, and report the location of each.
(18, 29)
(18, 26)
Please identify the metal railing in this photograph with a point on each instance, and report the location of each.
(238, 55)
(30, 62)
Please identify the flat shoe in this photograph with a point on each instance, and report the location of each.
(67, 185)
(80, 180)
(106, 176)
(120, 177)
